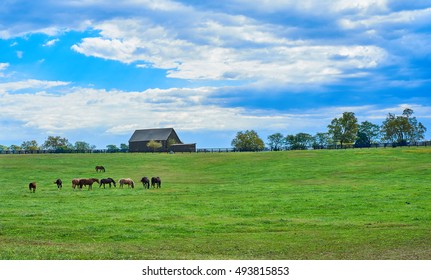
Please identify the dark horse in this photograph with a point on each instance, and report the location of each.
(156, 182)
(32, 186)
(100, 168)
(145, 182)
(87, 182)
(107, 181)
(59, 183)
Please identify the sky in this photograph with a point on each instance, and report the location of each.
(96, 70)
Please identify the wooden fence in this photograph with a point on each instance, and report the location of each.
(212, 150)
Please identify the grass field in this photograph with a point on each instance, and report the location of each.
(330, 204)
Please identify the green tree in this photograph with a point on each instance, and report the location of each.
(368, 133)
(154, 145)
(402, 129)
(57, 143)
(300, 141)
(14, 148)
(83, 146)
(344, 129)
(112, 148)
(124, 147)
(276, 141)
(30, 145)
(321, 140)
(248, 141)
(4, 148)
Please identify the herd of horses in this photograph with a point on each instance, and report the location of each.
(79, 183)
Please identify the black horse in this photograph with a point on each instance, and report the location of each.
(156, 182)
(107, 181)
(145, 182)
(32, 186)
(59, 183)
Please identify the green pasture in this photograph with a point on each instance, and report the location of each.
(329, 204)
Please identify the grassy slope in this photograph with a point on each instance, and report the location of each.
(351, 204)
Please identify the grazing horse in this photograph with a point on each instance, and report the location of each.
(75, 182)
(87, 182)
(107, 181)
(32, 186)
(126, 181)
(59, 183)
(156, 182)
(145, 182)
(100, 168)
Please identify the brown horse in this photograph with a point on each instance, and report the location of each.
(87, 182)
(145, 182)
(59, 183)
(126, 181)
(100, 168)
(75, 182)
(156, 182)
(32, 186)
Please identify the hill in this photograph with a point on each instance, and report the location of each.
(330, 204)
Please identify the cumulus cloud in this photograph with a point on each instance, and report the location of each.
(29, 84)
(314, 6)
(187, 109)
(83, 108)
(242, 50)
(402, 19)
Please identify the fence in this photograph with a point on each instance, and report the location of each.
(215, 150)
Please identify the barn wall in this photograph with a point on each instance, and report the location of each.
(183, 148)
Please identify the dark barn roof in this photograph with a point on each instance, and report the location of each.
(156, 134)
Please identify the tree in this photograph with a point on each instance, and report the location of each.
(248, 141)
(344, 129)
(320, 140)
(171, 141)
(300, 141)
(14, 148)
(57, 143)
(112, 148)
(30, 145)
(83, 146)
(402, 129)
(4, 148)
(276, 141)
(154, 145)
(124, 147)
(368, 133)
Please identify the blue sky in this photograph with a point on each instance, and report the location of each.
(94, 71)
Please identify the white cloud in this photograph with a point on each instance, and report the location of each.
(241, 50)
(403, 19)
(30, 84)
(313, 7)
(118, 112)
(3, 66)
(51, 43)
(187, 109)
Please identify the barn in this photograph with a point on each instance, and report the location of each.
(166, 136)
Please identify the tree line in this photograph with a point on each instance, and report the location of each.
(60, 144)
(342, 132)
